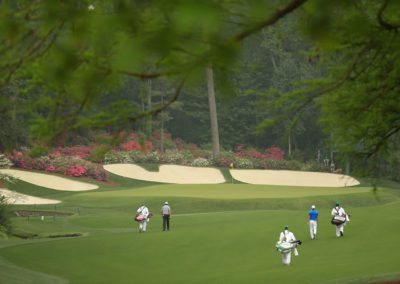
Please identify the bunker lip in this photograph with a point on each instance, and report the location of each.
(194, 175)
(169, 174)
(17, 198)
(50, 181)
(293, 178)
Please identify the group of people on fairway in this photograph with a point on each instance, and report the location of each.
(143, 216)
(287, 241)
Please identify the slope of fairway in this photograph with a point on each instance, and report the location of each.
(234, 191)
(230, 247)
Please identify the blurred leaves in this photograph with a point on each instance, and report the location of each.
(69, 57)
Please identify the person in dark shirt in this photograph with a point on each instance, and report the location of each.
(166, 214)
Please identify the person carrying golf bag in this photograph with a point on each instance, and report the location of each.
(287, 242)
(339, 219)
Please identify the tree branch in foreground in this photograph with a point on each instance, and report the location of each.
(382, 21)
(280, 13)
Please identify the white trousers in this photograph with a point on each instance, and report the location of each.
(286, 258)
(142, 226)
(339, 229)
(313, 228)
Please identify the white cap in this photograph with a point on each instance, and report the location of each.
(312, 206)
(166, 202)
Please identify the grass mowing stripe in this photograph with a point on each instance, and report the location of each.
(13, 274)
(231, 191)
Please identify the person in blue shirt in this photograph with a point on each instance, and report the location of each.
(312, 221)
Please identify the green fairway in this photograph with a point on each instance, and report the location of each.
(219, 234)
(232, 191)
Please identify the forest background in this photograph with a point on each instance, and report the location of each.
(315, 80)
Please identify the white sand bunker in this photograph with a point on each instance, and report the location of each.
(50, 181)
(169, 174)
(13, 197)
(293, 178)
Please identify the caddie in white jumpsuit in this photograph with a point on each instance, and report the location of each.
(287, 236)
(339, 211)
(143, 210)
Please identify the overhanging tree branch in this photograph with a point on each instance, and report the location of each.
(280, 13)
(384, 23)
(383, 140)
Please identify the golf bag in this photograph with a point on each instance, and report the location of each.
(338, 220)
(286, 247)
(140, 217)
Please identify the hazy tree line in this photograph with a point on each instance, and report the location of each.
(303, 75)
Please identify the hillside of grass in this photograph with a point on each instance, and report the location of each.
(219, 234)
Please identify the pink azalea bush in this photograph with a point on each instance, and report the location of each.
(131, 146)
(272, 153)
(73, 166)
(80, 151)
(76, 171)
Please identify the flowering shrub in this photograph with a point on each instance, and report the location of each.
(80, 151)
(66, 165)
(135, 157)
(21, 160)
(274, 153)
(148, 146)
(225, 159)
(200, 162)
(131, 146)
(313, 166)
(5, 163)
(179, 144)
(76, 171)
(152, 157)
(172, 157)
(224, 162)
(7, 178)
(112, 157)
(277, 164)
(243, 163)
(51, 169)
(187, 157)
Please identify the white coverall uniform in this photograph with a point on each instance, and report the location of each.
(287, 236)
(143, 224)
(339, 211)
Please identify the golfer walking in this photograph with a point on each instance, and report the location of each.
(166, 214)
(287, 237)
(339, 211)
(143, 215)
(312, 221)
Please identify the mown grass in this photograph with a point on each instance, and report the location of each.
(219, 234)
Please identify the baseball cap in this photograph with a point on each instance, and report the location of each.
(166, 202)
(312, 206)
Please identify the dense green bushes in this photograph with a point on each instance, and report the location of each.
(225, 160)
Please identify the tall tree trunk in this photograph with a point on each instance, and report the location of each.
(149, 118)
(213, 112)
(162, 128)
